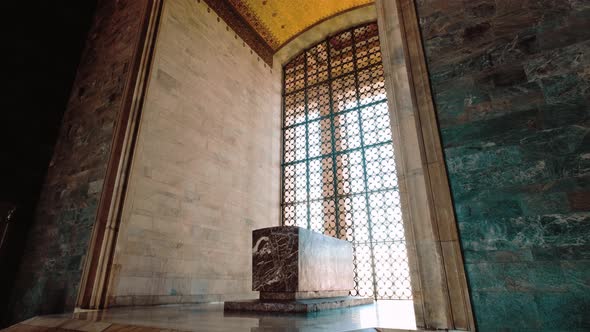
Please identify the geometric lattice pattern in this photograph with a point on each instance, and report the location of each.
(339, 174)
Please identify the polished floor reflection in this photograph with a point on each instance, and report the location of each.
(210, 317)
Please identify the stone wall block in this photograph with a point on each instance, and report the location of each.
(55, 253)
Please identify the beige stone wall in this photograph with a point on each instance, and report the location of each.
(206, 167)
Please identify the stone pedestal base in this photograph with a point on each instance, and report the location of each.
(302, 295)
(296, 306)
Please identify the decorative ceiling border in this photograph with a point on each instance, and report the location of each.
(234, 20)
(257, 24)
(322, 20)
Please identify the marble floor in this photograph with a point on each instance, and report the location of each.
(210, 317)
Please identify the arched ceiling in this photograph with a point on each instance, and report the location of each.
(278, 21)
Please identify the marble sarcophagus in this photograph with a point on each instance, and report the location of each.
(297, 263)
(298, 270)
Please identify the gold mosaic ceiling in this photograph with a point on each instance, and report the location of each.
(278, 21)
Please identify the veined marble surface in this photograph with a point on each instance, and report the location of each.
(275, 265)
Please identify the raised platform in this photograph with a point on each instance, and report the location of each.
(302, 295)
(296, 306)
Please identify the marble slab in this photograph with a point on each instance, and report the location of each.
(275, 259)
(301, 262)
(299, 271)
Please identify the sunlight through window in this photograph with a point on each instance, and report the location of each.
(339, 174)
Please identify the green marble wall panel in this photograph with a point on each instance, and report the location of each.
(511, 85)
(52, 263)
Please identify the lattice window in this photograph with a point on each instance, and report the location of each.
(338, 165)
